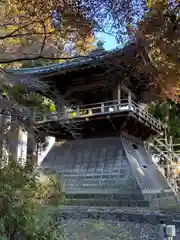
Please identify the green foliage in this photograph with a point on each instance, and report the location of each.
(168, 113)
(33, 100)
(22, 195)
(160, 111)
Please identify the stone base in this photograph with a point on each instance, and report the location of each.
(110, 171)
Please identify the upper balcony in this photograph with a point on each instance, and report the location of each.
(113, 110)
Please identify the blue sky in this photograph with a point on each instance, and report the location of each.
(109, 40)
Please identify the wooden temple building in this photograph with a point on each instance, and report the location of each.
(100, 125)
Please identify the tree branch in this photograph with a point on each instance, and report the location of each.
(36, 58)
(21, 35)
(11, 34)
(44, 39)
(5, 61)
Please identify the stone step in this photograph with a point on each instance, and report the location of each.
(112, 203)
(92, 180)
(92, 202)
(86, 166)
(92, 186)
(105, 195)
(80, 175)
(85, 191)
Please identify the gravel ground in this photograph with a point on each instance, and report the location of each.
(105, 230)
(110, 209)
(89, 229)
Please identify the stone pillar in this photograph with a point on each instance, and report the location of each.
(5, 122)
(17, 140)
(31, 148)
(22, 145)
(13, 138)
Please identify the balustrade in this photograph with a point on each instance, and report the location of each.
(102, 108)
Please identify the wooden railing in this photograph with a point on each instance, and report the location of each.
(101, 108)
(161, 148)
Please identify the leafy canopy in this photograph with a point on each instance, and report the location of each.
(159, 31)
(29, 30)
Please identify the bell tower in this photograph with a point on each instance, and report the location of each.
(100, 130)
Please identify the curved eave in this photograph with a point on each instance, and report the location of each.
(55, 68)
(69, 65)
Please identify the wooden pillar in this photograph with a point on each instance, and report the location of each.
(117, 95)
(102, 107)
(114, 94)
(77, 112)
(129, 100)
(59, 103)
(60, 108)
(119, 92)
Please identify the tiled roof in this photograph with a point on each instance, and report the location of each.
(69, 65)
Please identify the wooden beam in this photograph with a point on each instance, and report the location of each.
(85, 87)
(127, 90)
